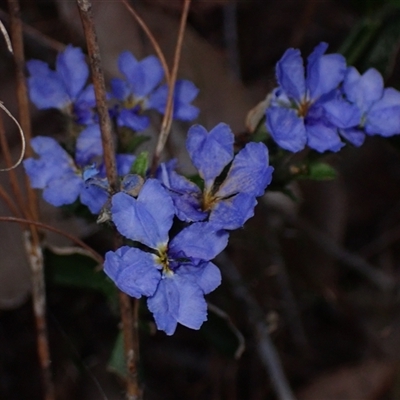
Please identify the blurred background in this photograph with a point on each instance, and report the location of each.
(320, 270)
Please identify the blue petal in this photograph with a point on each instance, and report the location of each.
(147, 219)
(192, 310)
(322, 138)
(384, 116)
(120, 89)
(144, 76)
(84, 106)
(341, 113)
(46, 89)
(232, 213)
(290, 74)
(164, 305)
(133, 271)
(324, 72)
(211, 151)
(355, 136)
(73, 70)
(54, 162)
(124, 163)
(93, 197)
(199, 240)
(63, 190)
(178, 300)
(184, 93)
(286, 128)
(88, 145)
(205, 274)
(249, 172)
(131, 119)
(185, 194)
(363, 90)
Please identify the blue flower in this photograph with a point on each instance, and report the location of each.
(227, 204)
(174, 274)
(141, 90)
(64, 179)
(307, 110)
(379, 107)
(63, 88)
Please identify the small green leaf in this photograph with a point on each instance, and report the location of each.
(317, 171)
(74, 267)
(117, 363)
(222, 333)
(141, 164)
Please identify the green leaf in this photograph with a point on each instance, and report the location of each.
(117, 363)
(141, 164)
(222, 334)
(317, 171)
(73, 267)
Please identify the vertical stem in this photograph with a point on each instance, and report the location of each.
(128, 323)
(85, 11)
(32, 241)
(169, 109)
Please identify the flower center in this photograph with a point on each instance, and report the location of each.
(163, 260)
(132, 102)
(303, 108)
(208, 201)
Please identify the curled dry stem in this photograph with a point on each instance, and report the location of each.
(23, 141)
(6, 37)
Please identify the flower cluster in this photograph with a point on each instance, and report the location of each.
(328, 103)
(66, 89)
(175, 272)
(173, 227)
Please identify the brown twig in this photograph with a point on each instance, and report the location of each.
(151, 37)
(32, 241)
(169, 109)
(47, 227)
(85, 10)
(15, 188)
(38, 36)
(9, 202)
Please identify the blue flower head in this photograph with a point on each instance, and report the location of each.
(141, 90)
(174, 274)
(306, 109)
(64, 179)
(64, 87)
(379, 107)
(227, 204)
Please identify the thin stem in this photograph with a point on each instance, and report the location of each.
(16, 190)
(85, 11)
(6, 37)
(9, 202)
(32, 241)
(266, 349)
(151, 37)
(38, 36)
(128, 327)
(169, 109)
(50, 228)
